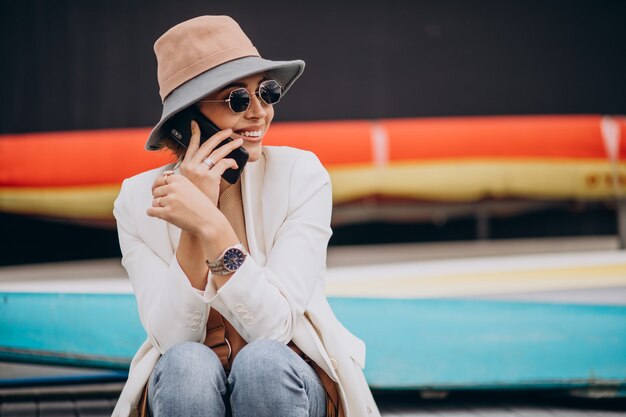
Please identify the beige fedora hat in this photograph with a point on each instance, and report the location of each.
(200, 56)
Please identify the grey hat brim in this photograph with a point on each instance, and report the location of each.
(285, 72)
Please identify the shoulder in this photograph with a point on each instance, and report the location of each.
(283, 152)
(298, 174)
(293, 161)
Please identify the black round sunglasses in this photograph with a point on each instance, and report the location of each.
(238, 100)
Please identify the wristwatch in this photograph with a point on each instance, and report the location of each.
(230, 260)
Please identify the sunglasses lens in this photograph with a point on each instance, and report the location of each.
(270, 91)
(239, 100)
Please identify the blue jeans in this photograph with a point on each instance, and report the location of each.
(267, 379)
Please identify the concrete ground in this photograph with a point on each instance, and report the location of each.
(99, 400)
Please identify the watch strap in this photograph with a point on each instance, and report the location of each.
(217, 266)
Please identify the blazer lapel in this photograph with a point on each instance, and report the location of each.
(252, 182)
(173, 232)
(153, 231)
(174, 235)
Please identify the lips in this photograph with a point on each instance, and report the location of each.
(250, 134)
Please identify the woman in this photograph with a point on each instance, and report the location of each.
(229, 279)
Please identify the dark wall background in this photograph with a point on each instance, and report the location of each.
(70, 64)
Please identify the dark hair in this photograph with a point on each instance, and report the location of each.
(176, 148)
(167, 142)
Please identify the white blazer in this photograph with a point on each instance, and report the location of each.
(278, 292)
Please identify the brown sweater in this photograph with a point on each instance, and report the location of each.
(221, 335)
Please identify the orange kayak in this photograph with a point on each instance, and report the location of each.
(76, 175)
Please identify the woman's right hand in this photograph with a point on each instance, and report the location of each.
(199, 172)
(178, 201)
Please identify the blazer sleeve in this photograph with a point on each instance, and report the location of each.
(267, 302)
(170, 309)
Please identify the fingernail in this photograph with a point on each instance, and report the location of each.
(194, 125)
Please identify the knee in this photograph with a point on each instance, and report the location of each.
(188, 361)
(267, 375)
(262, 360)
(261, 354)
(188, 378)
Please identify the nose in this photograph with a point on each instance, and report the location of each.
(256, 109)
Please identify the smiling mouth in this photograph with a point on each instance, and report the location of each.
(250, 133)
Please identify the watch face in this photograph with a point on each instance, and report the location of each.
(233, 258)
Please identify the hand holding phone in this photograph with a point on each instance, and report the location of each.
(179, 129)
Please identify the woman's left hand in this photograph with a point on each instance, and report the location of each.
(178, 201)
(204, 164)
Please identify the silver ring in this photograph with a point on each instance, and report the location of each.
(209, 162)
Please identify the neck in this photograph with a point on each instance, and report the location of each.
(224, 185)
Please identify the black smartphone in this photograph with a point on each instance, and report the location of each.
(179, 129)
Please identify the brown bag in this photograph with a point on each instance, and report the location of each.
(142, 405)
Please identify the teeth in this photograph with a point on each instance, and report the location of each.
(251, 133)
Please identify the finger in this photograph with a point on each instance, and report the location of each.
(157, 182)
(166, 174)
(162, 201)
(164, 178)
(160, 191)
(219, 153)
(170, 178)
(158, 212)
(208, 146)
(194, 142)
(223, 165)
